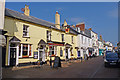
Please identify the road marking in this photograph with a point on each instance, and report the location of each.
(96, 71)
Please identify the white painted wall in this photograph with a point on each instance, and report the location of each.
(2, 8)
(85, 42)
(101, 45)
(94, 37)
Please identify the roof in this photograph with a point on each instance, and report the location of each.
(87, 32)
(14, 39)
(21, 16)
(42, 42)
(93, 31)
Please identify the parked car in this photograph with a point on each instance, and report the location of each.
(111, 59)
(108, 52)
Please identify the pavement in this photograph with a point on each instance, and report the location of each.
(92, 68)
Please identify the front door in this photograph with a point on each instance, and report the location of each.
(78, 53)
(66, 53)
(42, 55)
(84, 52)
(12, 56)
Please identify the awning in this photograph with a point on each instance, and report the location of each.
(54, 43)
(15, 40)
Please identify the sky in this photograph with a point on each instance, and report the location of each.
(102, 17)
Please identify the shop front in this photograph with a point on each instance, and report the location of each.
(55, 48)
(90, 51)
(78, 52)
(100, 52)
(84, 53)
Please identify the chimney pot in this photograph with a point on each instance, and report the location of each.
(56, 12)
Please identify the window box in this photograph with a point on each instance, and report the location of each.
(25, 56)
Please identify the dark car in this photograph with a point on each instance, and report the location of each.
(111, 59)
(108, 52)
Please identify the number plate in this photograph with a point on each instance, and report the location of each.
(113, 63)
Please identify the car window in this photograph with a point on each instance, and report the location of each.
(112, 55)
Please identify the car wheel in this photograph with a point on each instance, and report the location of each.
(105, 64)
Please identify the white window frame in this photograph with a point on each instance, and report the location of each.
(21, 51)
(26, 30)
(82, 39)
(21, 54)
(55, 50)
(49, 35)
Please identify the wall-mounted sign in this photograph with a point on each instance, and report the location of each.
(35, 54)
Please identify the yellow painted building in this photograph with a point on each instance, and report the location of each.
(30, 39)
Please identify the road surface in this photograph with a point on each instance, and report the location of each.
(92, 68)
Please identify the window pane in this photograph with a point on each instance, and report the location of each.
(25, 30)
(25, 49)
(61, 52)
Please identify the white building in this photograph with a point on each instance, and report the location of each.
(94, 37)
(84, 41)
(108, 46)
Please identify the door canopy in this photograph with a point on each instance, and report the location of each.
(68, 45)
(14, 40)
(42, 43)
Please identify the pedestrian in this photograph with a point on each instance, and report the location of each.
(59, 65)
(50, 62)
(81, 59)
(87, 56)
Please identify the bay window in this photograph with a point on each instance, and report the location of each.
(53, 50)
(25, 50)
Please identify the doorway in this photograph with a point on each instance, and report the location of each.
(78, 53)
(41, 55)
(12, 56)
(66, 53)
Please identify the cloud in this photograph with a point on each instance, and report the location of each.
(60, 9)
(76, 20)
(113, 13)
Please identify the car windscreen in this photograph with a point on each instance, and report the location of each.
(108, 51)
(111, 55)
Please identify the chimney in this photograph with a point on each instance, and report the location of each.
(27, 10)
(65, 23)
(81, 26)
(101, 38)
(57, 20)
(90, 29)
(73, 26)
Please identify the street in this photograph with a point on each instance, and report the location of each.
(92, 68)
